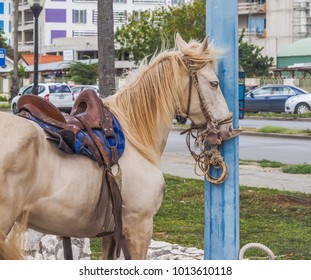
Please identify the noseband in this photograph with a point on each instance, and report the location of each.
(208, 155)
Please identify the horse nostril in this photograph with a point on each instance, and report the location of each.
(230, 128)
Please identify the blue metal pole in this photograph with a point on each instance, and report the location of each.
(221, 231)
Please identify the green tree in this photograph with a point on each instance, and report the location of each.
(21, 71)
(251, 59)
(84, 74)
(147, 32)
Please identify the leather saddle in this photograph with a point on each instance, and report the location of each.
(88, 116)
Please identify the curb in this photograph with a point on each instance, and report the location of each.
(262, 134)
(279, 118)
(280, 135)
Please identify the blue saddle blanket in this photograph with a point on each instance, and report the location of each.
(78, 146)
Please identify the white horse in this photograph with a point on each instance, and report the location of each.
(61, 191)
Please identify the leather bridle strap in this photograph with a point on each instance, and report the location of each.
(193, 80)
(189, 96)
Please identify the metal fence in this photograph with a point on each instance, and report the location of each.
(304, 83)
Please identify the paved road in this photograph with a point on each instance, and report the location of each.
(256, 148)
(176, 160)
(285, 150)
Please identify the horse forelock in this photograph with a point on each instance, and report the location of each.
(151, 96)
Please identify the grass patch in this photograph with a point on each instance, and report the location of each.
(277, 219)
(5, 105)
(280, 115)
(277, 129)
(286, 168)
(271, 164)
(297, 168)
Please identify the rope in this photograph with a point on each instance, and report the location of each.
(256, 246)
(207, 155)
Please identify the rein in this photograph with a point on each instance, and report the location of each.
(208, 155)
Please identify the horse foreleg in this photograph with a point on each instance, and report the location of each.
(138, 237)
(135, 244)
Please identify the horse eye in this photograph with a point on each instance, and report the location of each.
(214, 84)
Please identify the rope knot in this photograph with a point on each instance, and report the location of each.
(207, 155)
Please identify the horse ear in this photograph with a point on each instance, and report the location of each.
(181, 44)
(204, 44)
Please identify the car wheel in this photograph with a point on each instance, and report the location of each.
(14, 109)
(302, 108)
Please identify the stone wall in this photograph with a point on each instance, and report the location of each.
(39, 246)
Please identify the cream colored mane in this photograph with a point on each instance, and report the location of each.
(152, 96)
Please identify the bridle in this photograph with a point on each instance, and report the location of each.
(210, 120)
(208, 155)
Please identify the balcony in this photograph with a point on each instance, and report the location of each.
(253, 33)
(251, 8)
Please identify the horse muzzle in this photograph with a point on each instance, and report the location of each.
(224, 132)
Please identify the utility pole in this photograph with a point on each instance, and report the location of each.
(15, 78)
(106, 53)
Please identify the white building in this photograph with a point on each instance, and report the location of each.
(274, 24)
(71, 25)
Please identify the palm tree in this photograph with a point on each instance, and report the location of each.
(106, 60)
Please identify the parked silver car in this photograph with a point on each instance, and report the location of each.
(59, 94)
(78, 89)
(298, 104)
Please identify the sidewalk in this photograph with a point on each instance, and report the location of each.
(250, 175)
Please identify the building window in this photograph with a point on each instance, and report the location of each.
(119, 1)
(55, 15)
(2, 25)
(151, 2)
(119, 17)
(1, 8)
(94, 16)
(84, 0)
(82, 33)
(58, 34)
(175, 2)
(79, 16)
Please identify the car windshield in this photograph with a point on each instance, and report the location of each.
(59, 88)
(76, 89)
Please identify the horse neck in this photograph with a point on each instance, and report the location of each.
(163, 133)
(157, 134)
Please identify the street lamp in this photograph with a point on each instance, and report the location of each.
(36, 7)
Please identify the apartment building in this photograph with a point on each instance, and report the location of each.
(274, 24)
(71, 25)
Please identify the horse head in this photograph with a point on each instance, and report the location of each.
(203, 103)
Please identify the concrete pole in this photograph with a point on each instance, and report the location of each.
(222, 232)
